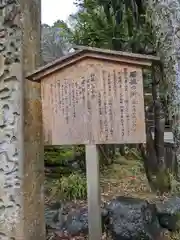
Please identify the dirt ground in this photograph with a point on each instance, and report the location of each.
(124, 177)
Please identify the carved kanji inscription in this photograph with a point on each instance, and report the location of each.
(94, 102)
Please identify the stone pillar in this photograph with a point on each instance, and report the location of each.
(21, 149)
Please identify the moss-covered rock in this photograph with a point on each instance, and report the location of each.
(169, 213)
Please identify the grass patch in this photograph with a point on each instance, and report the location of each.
(72, 187)
(124, 177)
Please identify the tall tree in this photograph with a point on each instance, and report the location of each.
(53, 44)
(118, 25)
(165, 18)
(122, 25)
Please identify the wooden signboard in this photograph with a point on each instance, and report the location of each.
(91, 97)
(94, 102)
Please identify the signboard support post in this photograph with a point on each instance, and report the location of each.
(104, 105)
(93, 188)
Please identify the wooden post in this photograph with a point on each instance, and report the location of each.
(21, 149)
(83, 120)
(93, 186)
(33, 183)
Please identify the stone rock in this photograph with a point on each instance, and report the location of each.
(77, 222)
(72, 223)
(124, 218)
(54, 216)
(168, 213)
(133, 219)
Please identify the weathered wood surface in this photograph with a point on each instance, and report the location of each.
(21, 174)
(33, 169)
(94, 194)
(93, 102)
(82, 52)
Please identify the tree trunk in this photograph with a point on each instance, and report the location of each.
(165, 17)
(159, 118)
(154, 163)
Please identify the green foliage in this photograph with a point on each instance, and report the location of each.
(80, 150)
(175, 185)
(53, 44)
(161, 181)
(72, 187)
(134, 153)
(58, 154)
(80, 156)
(118, 25)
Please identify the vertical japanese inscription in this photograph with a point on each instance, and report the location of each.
(98, 106)
(110, 105)
(133, 83)
(55, 97)
(73, 98)
(115, 83)
(93, 86)
(62, 97)
(121, 104)
(100, 111)
(52, 102)
(59, 95)
(89, 108)
(66, 93)
(83, 90)
(105, 105)
(126, 101)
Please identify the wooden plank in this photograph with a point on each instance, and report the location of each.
(93, 102)
(119, 53)
(73, 59)
(33, 165)
(93, 187)
(96, 53)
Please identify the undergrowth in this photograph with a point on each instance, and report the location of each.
(72, 187)
(125, 177)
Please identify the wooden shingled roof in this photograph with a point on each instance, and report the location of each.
(82, 52)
